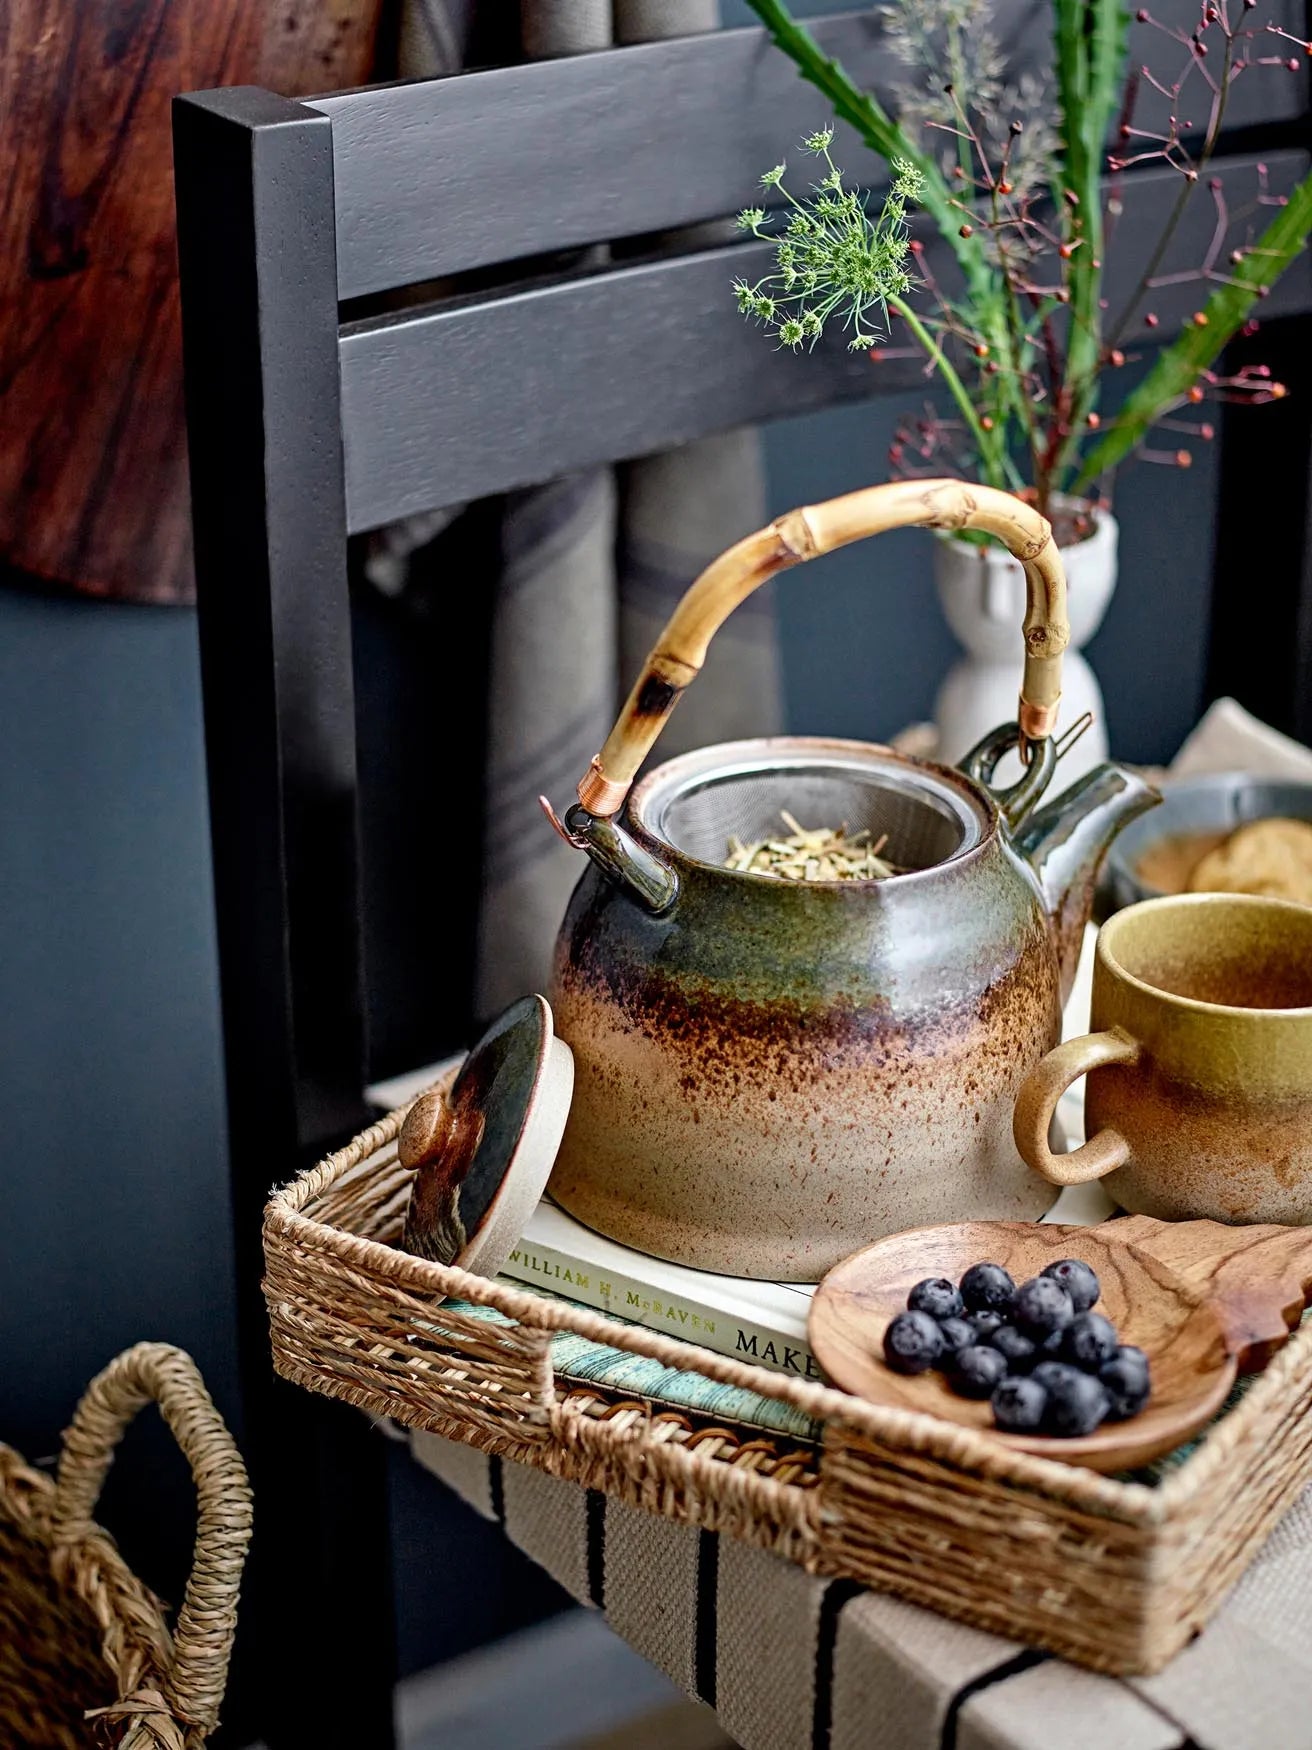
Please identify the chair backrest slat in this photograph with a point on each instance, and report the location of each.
(440, 176)
(436, 177)
(459, 401)
(563, 376)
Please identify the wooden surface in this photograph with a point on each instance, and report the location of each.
(92, 453)
(1170, 1318)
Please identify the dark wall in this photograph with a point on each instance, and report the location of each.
(109, 1045)
(115, 1223)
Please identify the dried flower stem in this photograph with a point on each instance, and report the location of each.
(1192, 172)
(1180, 366)
(986, 442)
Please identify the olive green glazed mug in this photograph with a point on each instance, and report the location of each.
(1199, 1100)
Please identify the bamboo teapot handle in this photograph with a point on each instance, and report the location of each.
(802, 534)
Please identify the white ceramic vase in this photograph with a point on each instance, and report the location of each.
(982, 590)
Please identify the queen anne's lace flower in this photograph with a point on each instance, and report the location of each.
(831, 258)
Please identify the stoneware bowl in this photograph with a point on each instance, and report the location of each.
(1203, 810)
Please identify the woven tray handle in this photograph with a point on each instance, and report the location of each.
(802, 534)
(202, 1637)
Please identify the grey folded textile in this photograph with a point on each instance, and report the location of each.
(591, 567)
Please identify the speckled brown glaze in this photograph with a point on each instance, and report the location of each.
(770, 1074)
(1222, 1156)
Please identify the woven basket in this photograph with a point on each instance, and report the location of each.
(86, 1657)
(1116, 1575)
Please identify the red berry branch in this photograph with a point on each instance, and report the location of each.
(1028, 197)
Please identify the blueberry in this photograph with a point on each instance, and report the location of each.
(1018, 1405)
(1077, 1403)
(1079, 1281)
(956, 1334)
(1053, 1374)
(1133, 1356)
(975, 1370)
(912, 1343)
(987, 1287)
(1042, 1306)
(986, 1323)
(1016, 1349)
(1127, 1384)
(1089, 1341)
(937, 1297)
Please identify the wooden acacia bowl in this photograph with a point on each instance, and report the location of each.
(1178, 1326)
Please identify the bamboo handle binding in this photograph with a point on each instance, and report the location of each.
(820, 528)
(202, 1638)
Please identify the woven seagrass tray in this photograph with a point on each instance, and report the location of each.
(1116, 1574)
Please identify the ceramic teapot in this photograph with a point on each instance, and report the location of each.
(771, 1073)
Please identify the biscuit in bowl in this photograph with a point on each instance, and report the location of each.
(1271, 857)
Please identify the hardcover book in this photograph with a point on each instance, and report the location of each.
(762, 1322)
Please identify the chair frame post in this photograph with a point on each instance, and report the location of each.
(260, 334)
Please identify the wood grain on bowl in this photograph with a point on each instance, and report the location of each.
(1164, 1310)
(1258, 1278)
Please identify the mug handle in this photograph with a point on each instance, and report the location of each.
(1037, 1101)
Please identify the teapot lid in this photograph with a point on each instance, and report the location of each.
(484, 1147)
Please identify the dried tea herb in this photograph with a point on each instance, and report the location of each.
(822, 854)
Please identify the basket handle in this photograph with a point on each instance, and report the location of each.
(802, 534)
(202, 1637)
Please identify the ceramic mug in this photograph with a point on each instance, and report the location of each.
(1199, 1100)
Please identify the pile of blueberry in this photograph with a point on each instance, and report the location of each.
(1048, 1362)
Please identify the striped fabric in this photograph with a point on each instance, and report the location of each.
(792, 1662)
(590, 566)
(651, 1619)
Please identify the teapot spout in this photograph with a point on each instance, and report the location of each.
(1064, 845)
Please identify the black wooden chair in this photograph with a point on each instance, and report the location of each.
(321, 403)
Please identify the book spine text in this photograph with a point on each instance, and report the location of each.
(638, 1303)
